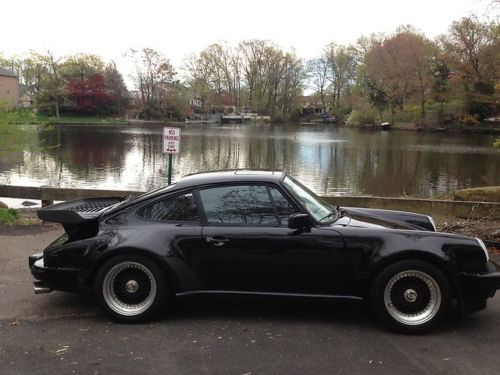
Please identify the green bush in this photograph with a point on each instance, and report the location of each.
(410, 113)
(361, 117)
(279, 117)
(10, 135)
(296, 114)
(24, 116)
(8, 215)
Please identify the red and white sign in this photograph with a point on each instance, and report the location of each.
(171, 140)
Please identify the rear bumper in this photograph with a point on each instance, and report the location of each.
(49, 278)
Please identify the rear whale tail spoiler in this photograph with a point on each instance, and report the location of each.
(77, 211)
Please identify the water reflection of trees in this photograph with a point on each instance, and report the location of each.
(340, 161)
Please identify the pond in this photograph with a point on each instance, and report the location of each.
(330, 160)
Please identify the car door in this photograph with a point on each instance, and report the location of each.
(248, 246)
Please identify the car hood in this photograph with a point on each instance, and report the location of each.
(363, 220)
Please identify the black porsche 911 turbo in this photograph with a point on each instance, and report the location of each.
(244, 232)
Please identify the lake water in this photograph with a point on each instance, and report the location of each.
(330, 160)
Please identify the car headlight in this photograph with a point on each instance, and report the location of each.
(483, 246)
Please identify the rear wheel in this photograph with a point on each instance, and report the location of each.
(131, 288)
(411, 296)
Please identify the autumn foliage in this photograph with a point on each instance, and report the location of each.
(89, 96)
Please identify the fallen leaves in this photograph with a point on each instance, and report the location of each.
(62, 349)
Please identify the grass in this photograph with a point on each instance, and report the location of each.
(9, 215)
(89, 120)
(479, 194)
(22, 217)
(11, 136)
(26, 116)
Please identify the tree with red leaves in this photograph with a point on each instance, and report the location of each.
(89, 95)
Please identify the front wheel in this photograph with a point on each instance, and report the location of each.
(411, 296)
(131, 288)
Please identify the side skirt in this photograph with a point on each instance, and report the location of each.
(273, 294)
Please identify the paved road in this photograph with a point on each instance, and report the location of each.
(64, 333)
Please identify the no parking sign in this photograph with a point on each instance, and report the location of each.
(171, 140)
(171, 145)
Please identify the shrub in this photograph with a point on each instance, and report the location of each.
(360, 117)
(279, 117)
(410, 113)
(8, 215)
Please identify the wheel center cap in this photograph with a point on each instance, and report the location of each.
(410, 295)
(131, 286)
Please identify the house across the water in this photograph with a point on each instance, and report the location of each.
(9, 89)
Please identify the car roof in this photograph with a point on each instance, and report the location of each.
(207, 178)
(229, 176)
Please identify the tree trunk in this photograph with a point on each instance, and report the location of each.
(422, 110)
(392, 112)
(57, 106)
(441, 113)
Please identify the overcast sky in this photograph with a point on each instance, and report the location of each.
(177, 28)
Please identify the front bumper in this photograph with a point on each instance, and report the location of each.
(54, 278)
(483, 284)
(476, 288)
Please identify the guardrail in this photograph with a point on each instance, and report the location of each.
(460, 209)
(48, 194)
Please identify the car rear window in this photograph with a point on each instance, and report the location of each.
(178, 208)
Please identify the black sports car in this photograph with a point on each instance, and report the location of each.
(246, 232)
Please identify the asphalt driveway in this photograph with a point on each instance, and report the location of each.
(65, 333)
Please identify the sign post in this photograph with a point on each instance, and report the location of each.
(171, 145)
(169, 178)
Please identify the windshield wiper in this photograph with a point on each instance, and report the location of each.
(334, 212)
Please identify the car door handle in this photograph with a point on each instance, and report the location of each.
(216, 241)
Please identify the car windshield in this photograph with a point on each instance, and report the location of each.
(318, 208)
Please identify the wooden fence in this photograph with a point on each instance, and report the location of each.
(461, 209)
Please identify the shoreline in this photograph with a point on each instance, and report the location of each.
(452, 130)
(486, 127)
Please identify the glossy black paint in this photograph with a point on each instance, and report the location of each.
(337, 259)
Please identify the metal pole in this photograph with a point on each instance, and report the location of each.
(169, 169)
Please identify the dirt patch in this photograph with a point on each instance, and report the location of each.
(487, 229)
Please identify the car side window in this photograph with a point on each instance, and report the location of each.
(238, 205)
(283, 206)
(178, 208)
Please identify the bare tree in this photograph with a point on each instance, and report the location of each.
(320, 78)
(341, 62)
(54, 83)
(153, 75)
(471, 49)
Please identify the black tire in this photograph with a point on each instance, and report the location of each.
(411, 296)
(132, 288)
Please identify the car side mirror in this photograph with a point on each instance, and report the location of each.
(299, 221)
